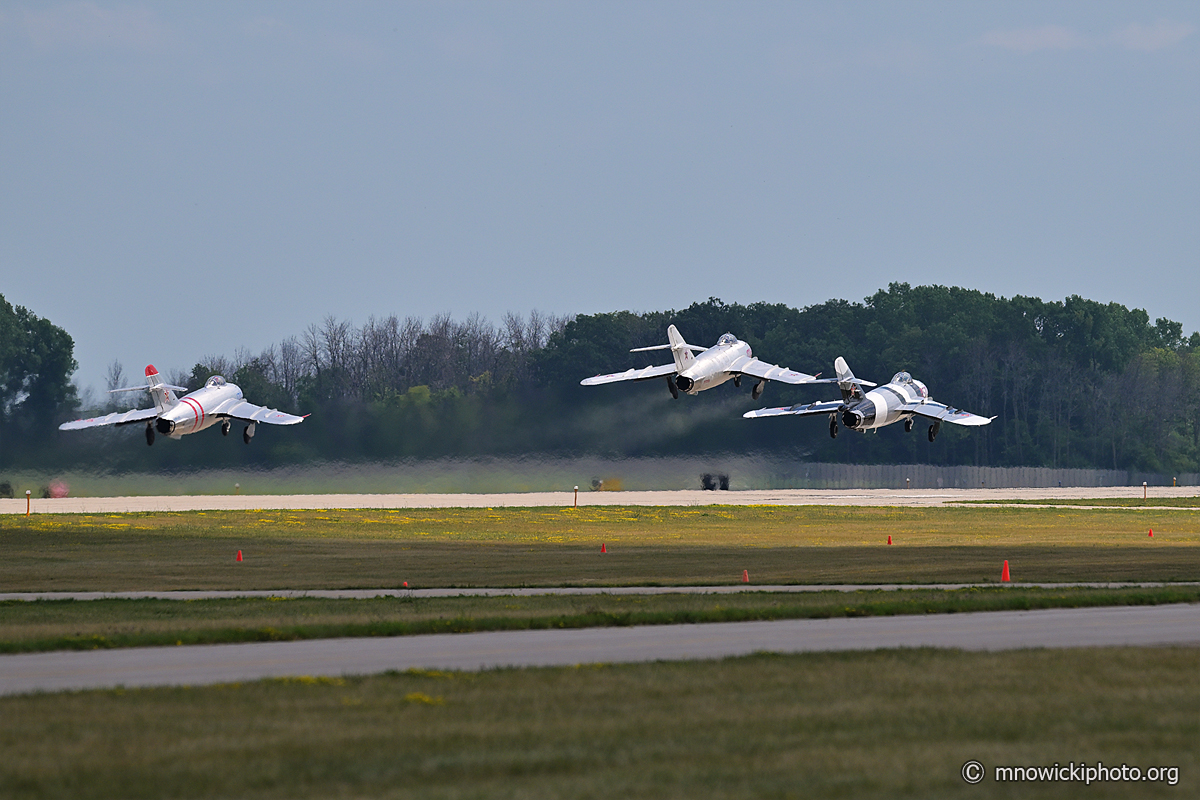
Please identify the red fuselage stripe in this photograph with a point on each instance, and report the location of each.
(197, 409)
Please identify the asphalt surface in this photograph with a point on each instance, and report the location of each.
(790, 497)
(1003, 630)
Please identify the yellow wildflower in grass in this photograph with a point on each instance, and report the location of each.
(421, 697)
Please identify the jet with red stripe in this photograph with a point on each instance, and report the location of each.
(217, 402)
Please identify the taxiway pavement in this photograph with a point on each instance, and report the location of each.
(208, 664)
(789, 497)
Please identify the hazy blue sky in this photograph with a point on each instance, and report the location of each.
(179, 179)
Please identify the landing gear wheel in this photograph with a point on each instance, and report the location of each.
(248, 433)
(933, 430)
(737, 381)
(671, 385)
(833, 429)
(225, 426)
(149, 433)
(757, 391)
(908, 425)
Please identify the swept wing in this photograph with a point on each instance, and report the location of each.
(800, 410)
(116, 418)
(240, 409)
(747, 365)
(944, 413)
(643, 374)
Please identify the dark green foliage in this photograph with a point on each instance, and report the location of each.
(1073, 383)
(36, 362)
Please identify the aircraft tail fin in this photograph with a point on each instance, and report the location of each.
(163, 394)
(681, 350)
(851, 386)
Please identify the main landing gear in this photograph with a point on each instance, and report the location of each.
(225, 426)
(671, 385)
(757, 391)
(833, 429)
(933, 430)
(908, 425)
(150, 433)
(737, 381)
(248, 433)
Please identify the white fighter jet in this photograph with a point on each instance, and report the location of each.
(698, 368)
(900, 399)
(217, 402)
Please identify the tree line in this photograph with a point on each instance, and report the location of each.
(1073, 383)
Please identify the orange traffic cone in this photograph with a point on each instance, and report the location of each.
(239, 558)
(745, 576)
(889, 538)
(1152, 533)
(406, 584)
(1004, 575)
(603, 548)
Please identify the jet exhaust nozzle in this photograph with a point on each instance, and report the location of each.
(165, 426)
(852, 419)
(684, 383)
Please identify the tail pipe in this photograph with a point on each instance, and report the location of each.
(165, 426)
(684, 383)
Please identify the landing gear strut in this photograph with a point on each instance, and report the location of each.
(933, 430)
(908, 425)
(833, 426)
(149, 433)
(225, 426)
(737, 381)
(671, 385)
(757, 391)
(248, 433)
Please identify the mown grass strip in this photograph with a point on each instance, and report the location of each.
(1115, 502)
(27, 627)
(882, 724)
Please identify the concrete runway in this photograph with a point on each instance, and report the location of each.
(208, 664)
(788, 497)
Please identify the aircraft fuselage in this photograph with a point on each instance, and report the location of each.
(712, 367)
(881, 406)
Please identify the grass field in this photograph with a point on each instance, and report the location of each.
(881, 724)
(561, 546)
(1115, 502)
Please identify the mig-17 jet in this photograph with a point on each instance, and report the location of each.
(217, 402)
(902, 398)
(697, 368)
